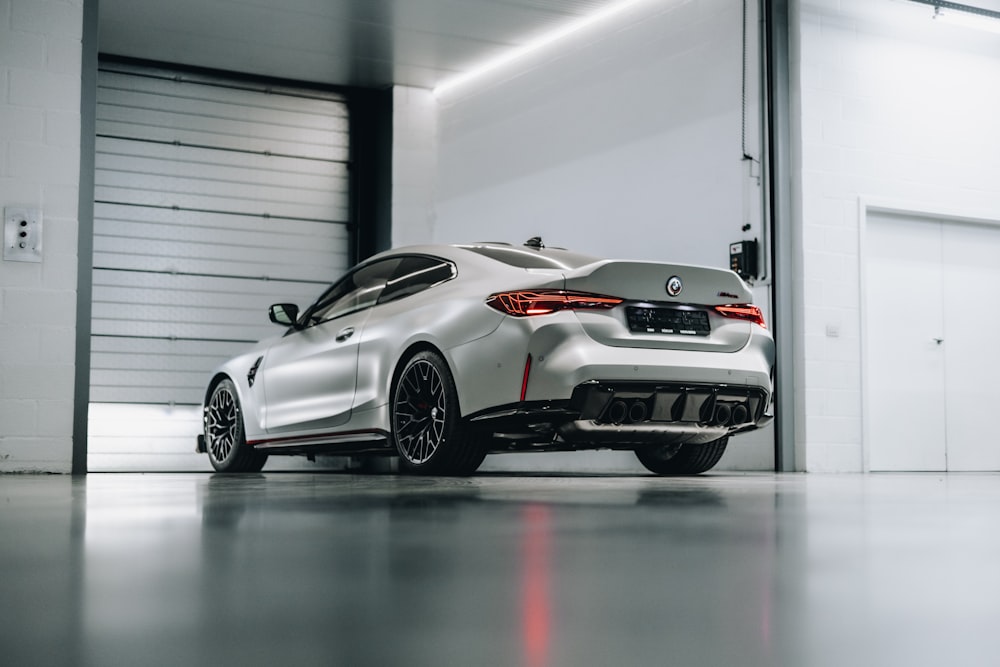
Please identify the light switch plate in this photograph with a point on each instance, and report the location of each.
(22, 234)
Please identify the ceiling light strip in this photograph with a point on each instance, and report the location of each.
(535, 45)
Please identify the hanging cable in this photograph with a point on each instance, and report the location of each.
(743, 129)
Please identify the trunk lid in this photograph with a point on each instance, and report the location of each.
(654, 317)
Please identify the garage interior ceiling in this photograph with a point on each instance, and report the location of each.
(369, 43)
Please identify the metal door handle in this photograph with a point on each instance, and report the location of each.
(345, 334)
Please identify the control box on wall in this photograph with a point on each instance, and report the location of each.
(22, 234)
(743, 259)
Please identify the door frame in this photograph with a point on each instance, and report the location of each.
(915, 209)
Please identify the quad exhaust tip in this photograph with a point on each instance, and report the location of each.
(620, 412)
(631, 412)
(730, 414)
(723, 414)
(637, 412)
(740, 414)
(617, 412)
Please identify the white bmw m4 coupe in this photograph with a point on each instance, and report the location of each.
(441, 355)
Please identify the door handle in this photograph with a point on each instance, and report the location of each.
(345, 334)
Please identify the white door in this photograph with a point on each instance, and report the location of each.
(971, 260)
(929, 318)
(904, 320)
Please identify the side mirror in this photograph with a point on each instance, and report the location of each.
(284, 314)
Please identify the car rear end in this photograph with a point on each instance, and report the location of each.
(624, 354)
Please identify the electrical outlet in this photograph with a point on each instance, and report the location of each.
(22, 234)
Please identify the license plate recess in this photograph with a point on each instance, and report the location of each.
(667, 320)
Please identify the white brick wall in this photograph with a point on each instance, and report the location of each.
(894, 107)
(39, 167)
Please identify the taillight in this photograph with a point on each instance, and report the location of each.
(746, 312)
(524, 303)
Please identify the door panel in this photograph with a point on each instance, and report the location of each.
(972, 321)
(933, 310)
(906, 388)
(309, 376)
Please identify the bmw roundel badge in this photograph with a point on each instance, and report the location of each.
(674, 286)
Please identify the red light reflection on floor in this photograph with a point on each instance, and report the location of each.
(536, 610)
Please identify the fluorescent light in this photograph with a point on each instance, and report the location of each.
(548, 38)
(966, 20)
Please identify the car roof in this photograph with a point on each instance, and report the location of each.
(527, 256)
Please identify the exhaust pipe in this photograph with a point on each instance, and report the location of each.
(740, 413)
(723, 413)
(617, 412)
(637, 412)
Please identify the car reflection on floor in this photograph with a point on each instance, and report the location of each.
(336, 568)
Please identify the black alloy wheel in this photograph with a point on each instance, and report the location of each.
(427, 426)
(225, 439)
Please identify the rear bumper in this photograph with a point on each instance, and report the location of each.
(624, 415)
(490, 371)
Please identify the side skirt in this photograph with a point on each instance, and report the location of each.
(373, 441)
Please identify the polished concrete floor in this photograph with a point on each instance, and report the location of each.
(339, 569)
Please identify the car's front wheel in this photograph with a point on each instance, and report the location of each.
(685, 459)
(427, 427)
(225, 439)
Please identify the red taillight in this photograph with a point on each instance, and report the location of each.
(524, 303)
(743, 312)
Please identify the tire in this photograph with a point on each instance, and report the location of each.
(427, 427)
(682, 459)
(225, 438)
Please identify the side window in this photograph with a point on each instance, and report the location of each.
(356, 291)
(415, 274)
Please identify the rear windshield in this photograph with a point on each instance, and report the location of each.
(529, 258)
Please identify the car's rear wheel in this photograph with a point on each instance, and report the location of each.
(685, 459)
(225, 438)
(427, 427)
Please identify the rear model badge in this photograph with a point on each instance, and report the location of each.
(674, 286)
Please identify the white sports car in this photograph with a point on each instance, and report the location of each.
(441, 355)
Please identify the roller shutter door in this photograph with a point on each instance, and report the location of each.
(213, 199)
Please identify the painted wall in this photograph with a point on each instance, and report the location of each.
(894, 107)
(414, 165)
(40, 46)
(624, 141)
